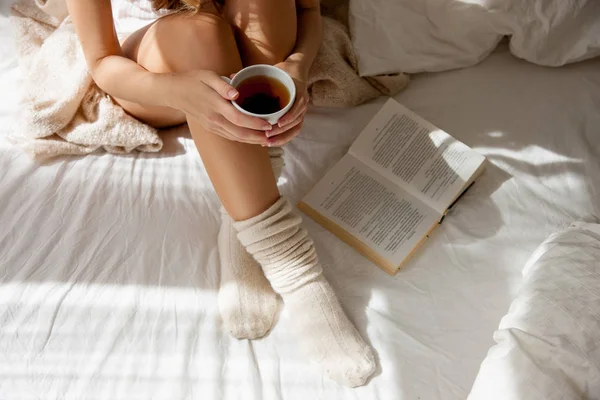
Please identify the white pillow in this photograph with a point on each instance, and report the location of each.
(548, 345)
(552, 32)
(419, 35)
(435, 35)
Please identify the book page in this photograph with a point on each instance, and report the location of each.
(372, 209)
(416, 155)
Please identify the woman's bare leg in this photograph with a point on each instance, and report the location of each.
(266, 33)
(241, 173)
(265, 30)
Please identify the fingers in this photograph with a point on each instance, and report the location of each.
(297, 110)
(223, 88)
(291, 132)
(277, 130)
(245, 121)
(240, 134)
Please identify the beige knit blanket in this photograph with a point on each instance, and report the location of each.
(64, 112)
(333, 79)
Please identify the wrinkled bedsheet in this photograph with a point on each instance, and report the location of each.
(109, 271)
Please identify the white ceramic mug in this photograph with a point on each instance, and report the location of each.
(272, 72)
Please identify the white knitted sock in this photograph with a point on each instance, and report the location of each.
(288, 258)
(247, 302)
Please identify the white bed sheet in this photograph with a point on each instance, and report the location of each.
(109, 271)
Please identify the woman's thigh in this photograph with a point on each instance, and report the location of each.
(177, 43)
(265, 30)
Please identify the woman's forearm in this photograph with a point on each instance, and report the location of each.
(309, 37)
(115, 74)
(125, 79)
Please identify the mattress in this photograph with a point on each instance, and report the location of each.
(109, 271)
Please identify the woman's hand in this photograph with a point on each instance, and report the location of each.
(206, 96)
(290, 124)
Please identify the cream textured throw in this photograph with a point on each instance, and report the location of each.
(334, 81)
(62, 110)
(287, 255)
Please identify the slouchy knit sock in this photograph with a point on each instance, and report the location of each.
(288, 258)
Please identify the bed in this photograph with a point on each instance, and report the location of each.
(109, 271)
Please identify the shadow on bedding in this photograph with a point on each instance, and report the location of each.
(5, 8)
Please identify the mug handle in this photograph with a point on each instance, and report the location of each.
(226, 79)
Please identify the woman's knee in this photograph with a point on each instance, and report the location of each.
(178, 43)
(182, 42)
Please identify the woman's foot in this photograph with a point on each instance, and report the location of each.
(288, 258)
(247, 302)
(327, 335)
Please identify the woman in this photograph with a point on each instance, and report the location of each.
(169, 73)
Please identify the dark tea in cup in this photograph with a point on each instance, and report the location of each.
(262, 95)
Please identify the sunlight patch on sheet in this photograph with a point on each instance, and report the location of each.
(70, 340)
(534, 154)
(68, 294)
(475, 2)
(495, 134)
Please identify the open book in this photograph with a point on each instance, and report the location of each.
(397, 182)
